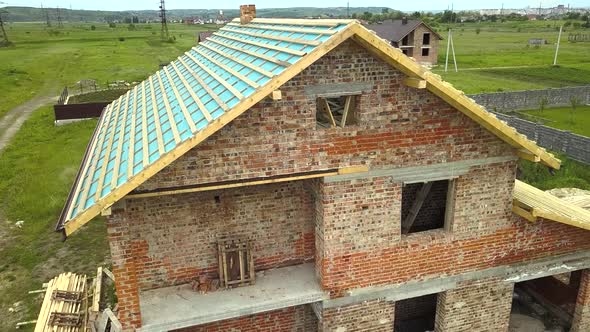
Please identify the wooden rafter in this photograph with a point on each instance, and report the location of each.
(115, 176)
(414, 82)
(347, 104)
(144, 130)
(159, 134)
(171, 119)
(205, 86)
(131, 154)
(274, 37)
(227, 68)
(254, 43)
(196, 98)
(185, 112)
(234, 48)
(242, 62)
(416, 206)
(103, 170)
(328, 111)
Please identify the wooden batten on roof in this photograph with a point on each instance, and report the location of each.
(244, 84)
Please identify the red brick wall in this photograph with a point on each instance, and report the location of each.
(482, 306)
(174, 238)
(374, 316)
(420, 307)
(359, 242)
(581, 320)
(397, 126)
(293, 319)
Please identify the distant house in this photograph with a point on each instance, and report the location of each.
(414, 37)
(203, 35)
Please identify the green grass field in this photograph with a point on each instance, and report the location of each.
(44, 60)
(482, 58)
(563, 118)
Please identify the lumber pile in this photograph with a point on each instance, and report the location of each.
(64, 305)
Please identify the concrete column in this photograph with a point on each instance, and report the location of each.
(482, 306)
(124, 271)
(581, 320)
(374, 316)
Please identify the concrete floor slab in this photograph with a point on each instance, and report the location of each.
(176, 307)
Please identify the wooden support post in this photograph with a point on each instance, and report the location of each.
(97, 290)
(420, 198)
(416, 83)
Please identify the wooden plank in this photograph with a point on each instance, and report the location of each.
(227, 68)
(196, 98)
(273, 37)
(171, 119)
(108, 273)
(115, 323)
(115, 175)
(522, 212)
(275, 83)
(220, 265)
(218, 78)
(45, 306)
(144, 130)
(414, 82)
(19, 324)
(254, 43)
(416, 206)
(299, 21)
(251, 269)
(241, 262)
(107, 158)
(224, 261)
(526, 155)
(301, 28)
(234, 48)
(131, 154)
(276, 95)
(346, 109)
(159, 134)
(97, 291)
(205, 86)
(328, 111)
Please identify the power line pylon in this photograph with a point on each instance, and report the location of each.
(59, 21)
(165, 35)
(46, 12)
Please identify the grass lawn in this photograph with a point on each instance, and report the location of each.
(36, 172)
(572, 174)
(481, 56)
(563, 118)
(96, 97)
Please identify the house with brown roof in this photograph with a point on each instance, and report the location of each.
(414, 37)
(305, 175)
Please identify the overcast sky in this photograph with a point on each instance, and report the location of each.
(228, 4)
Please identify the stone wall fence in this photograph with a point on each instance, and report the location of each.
(530, 99)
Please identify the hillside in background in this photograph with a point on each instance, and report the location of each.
(30, 14)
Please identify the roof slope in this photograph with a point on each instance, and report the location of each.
(190, 99)
(396, 30)
(532, 203)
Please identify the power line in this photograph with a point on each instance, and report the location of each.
(164, 33)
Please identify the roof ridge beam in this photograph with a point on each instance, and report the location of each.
(273, 37)
(254, 43)
(288, 29)
(300, 21)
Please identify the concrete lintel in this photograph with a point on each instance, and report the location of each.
(177, 307)
(423, 173)
(510, 273)
(337, 89)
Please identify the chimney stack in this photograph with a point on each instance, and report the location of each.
(247, 13)
(404, 20)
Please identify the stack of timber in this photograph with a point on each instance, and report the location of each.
(64, 305)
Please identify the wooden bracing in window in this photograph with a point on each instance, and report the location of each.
(335, 111)
(236, 265)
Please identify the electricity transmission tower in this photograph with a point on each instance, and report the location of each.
(5, 41)
(164, 33)
(46, 12)
(59, 21)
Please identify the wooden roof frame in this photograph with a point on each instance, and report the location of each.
(367, 39)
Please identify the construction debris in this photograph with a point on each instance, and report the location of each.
(64, 305)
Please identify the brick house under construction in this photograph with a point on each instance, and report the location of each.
(359, 189)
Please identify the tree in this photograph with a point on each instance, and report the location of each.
(366, 16)
(574, 102)
(448, 17)
(416, 15)
(542, 104)
(477, 31)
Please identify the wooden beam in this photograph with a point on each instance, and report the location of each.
(255, 43)
(122, 131)
(216, 77)
(414, 82)
(248, 52)
(298, 21)
(196, 98)
(227, 68)
(416, 206)
(159, 134)
(526, 155)
(329, 111)
(205, 86)
(346, 110)
(271, 37)
(353, 169)
(275, 83)
(303, 28)
(131, 154)
(97, 291)
(239, 61)
(171, 119)
(188, 118)
(108, 273)
(522, 212)
(144, 134)
(106, 212)
(276, 95)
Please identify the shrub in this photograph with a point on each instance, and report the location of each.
(477, 31)
(92, 27)
(121, 39)
(131, 27)
(112, 25)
